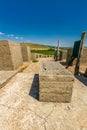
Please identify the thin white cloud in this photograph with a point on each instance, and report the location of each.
(16, 37)
(10, 35)
(20, 38)
(1, 33)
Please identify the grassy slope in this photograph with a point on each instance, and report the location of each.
(34, 46)
(43, 49)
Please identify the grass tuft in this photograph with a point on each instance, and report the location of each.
(34, 61)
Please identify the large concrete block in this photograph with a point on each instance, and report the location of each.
(53, 97)
(55, 83)
(10, 55)
(63, 55)
(83, 56)
(26, 53)
(33, 56)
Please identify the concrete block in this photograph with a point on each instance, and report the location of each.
(62, 55)
(83, 56)
(10, 55)
(53, 97)
(26, 53)
(55, 83)
(33, 56)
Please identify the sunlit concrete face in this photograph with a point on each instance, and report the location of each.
(83, 56)
(10, 55)
(55, 83)
(26, 53)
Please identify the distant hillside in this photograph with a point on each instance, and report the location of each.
(35, 46)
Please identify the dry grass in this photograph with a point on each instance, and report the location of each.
(34, 46)
(21, 68)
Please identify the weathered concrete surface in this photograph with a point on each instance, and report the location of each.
(21, 111)
(83, 57)
(5, 76)
(26, 53)
(86, 72)
(63, 55)
(33, 56)
(10, 55)
(55, 83)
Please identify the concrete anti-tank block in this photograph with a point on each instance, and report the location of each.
(26, 53)
(10, 55)
(55, 83)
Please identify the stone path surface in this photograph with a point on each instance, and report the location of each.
(20, 108)
(35, 67)
(5, 76)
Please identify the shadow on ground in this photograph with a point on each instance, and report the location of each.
(82, 79)
(63, 63)
(34, 91)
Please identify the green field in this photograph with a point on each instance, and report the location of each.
(47, 52)
(43, 49)
(44, 52)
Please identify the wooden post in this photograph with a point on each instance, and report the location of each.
(79, 54)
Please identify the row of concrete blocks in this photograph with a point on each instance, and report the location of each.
(42, 56)
(55, 83)
(12, 55)
(66, 55)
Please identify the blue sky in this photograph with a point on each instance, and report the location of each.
(43, 21)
